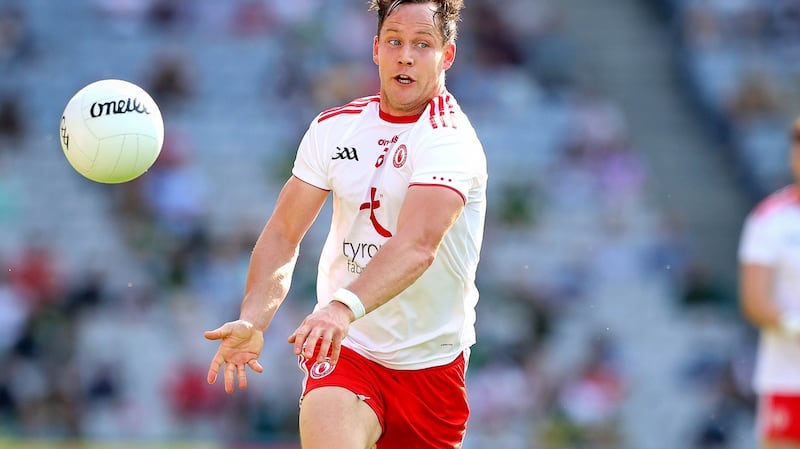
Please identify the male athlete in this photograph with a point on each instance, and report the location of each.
(769, 256)
(385, 349)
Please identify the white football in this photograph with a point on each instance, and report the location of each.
(111, 131)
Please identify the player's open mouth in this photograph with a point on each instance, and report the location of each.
(404, 79)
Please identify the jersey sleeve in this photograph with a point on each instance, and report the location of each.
(450, 159)
(760, 241)
(310, 165)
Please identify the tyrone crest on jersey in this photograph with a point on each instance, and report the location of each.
(400, 156)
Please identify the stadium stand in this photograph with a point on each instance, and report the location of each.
(599, 325)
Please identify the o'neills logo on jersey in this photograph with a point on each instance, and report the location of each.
(117, 107)
(358, 255)
(400, 156)
(321, 369)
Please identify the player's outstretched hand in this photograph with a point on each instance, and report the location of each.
(240, 345)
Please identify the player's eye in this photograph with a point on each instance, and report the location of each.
(394, 42)
(423, 45)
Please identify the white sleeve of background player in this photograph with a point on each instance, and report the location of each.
(451, 159)
(310, 164)
(760, 241)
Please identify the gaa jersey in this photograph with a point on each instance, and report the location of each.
(771, 237)
(369, 160)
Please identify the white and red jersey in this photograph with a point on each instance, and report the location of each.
(771, 237)
(369, 160)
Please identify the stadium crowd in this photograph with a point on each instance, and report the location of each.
(83, 355)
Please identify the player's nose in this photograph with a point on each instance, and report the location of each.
(404, 56)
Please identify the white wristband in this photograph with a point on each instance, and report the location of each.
(351, 300)
(790, 325)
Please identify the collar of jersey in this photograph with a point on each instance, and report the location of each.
(398, 118)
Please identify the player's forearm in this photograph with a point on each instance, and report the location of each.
(268, 280)
(756, 296)
(761, 312)
(396, 266)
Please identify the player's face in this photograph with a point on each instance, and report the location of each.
(411, 58)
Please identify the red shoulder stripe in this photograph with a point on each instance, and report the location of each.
(354, 107)
(442, 112)
(789, 195)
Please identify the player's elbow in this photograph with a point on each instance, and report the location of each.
(754, 310)
(425, 254)
(746, 310)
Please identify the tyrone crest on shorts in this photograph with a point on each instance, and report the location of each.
(321, 369)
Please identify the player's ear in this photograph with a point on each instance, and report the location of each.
(449, 56)
(375, 50)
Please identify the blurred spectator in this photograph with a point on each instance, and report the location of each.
(591, 400)
(12, 195)
(172, 80)
(12, 122)
(16, 36)
(731, 403)
(190, 395)
(125, 17)
(252, 18)
(622, 175)
(495, 45)
(170, 15)
(36, 273)
(596, 121)
(14, 311)
(86, 291)
(102, 384)
(175, 189)
(518, 205)
(670, 251)
(298, 13)
(756, 99)
(502, 398)
(551, 57)
(701, 290)
(340, 83)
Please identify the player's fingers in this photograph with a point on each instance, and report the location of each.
(242, 376)
(336, 349)
(213, 368)
(299, 339)
(326, 344)
(217, 334)
(229, 374)
(310, 344)
(255, 366)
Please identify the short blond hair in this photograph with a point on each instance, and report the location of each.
(448, 12)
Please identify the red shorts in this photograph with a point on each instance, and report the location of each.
(779, 417)
(424, 408)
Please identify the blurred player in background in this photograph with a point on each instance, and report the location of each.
(385, 350)
(769, 256)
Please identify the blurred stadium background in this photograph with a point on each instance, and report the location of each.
(626, 140)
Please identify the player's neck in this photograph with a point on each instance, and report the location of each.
(410, 115)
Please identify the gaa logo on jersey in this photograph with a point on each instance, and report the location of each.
(321, 369)
(400, 156)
